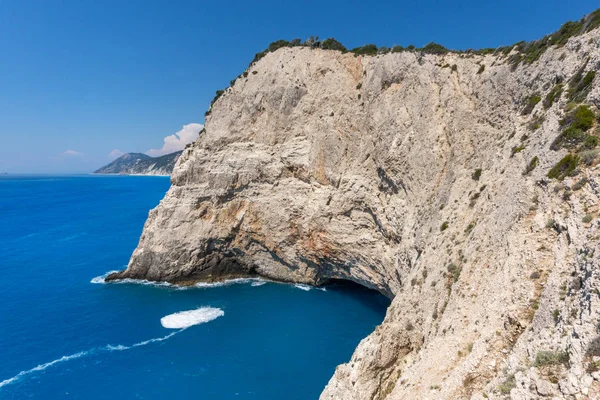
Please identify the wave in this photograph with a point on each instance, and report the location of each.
(302, 286)
(120, 347)
(236, 281)
(42, 367)
(306, 287)
(185, 319)
(202, 285)
(102, 279)
(98, 350)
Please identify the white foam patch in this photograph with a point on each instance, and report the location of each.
(236, 281)
(185, 319)
(302, 286)
(203, 285)
(146, 282)
(102, 278)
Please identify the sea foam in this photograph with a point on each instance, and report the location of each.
(102, 279)
(42, 367)
(302, 286)
(90, 352)
(202, 285)
(185, 319)
(178, 321)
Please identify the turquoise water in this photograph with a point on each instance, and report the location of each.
(62, 336)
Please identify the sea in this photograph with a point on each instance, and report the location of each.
(66, 334)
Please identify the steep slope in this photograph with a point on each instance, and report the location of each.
(141, 164)
(407, 173)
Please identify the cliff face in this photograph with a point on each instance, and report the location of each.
(141, 164)
(320, 165)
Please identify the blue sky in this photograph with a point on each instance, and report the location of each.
(93, 76)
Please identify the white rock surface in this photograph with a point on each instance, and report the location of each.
(320, 165)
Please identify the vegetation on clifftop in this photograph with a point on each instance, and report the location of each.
(523, 52)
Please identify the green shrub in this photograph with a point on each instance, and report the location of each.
(454, 271)
(481, 69)
(444, 226)
(332, 44)
(567, 166)
(530, 103)
(454, 67)
(581, 87)
(530, 52)
(569, 138)
(546, 357)
(531, 166)
(509, 384)
(469, 228)
(367, 50)
(566, 31)
(517, 149)
(258, 56)
(434, 48)
(588, 156)
(476, 174)
(581, 118)
(587, 218)
(397, 49)
(359, 86)
(218, 94)
(590, 142)
(278, 45)
(553, 95)
(536, 122)
(578, 122)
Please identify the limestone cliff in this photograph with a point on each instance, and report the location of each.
(424, 177)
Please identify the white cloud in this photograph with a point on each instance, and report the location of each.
(177, 142)
(71, 153)
(116, 153)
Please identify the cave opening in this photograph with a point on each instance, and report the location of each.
(372, 297)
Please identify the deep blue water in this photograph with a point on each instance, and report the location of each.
(274, 341)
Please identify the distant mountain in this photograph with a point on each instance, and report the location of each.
(141, 164)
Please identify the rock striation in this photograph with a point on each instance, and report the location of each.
(141, 164)
(421, 176)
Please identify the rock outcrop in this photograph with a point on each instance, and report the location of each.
(406, 173)
(141, 164)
